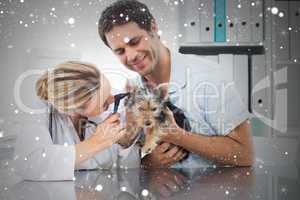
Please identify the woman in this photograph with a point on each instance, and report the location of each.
(64, 139)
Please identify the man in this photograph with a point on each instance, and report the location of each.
(220, 132)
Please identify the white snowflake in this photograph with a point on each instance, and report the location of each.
(283, 190)
(274, 10)
(71, 20)
(281, 14)
(227, 192)
(145, 192)
(123, 188)
(1, 134)
(99, 188)
(72, 45)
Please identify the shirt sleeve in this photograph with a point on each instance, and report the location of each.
(224, 108)
(37, 158)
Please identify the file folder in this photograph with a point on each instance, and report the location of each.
(219, 22)
(240, 76)
(231, 22)
(257, 21)
(206, 9)
(281, 32)
(243, 21)
(259, 80)
(226, 61)
(295, 32)
(191, 19)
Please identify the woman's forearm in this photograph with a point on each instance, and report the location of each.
(88, 148)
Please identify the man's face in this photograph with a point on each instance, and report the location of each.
(136, 48)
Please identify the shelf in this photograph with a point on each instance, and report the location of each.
(224, 49)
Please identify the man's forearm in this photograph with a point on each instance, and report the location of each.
(226, 150)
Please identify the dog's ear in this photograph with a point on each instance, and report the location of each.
(161, 91)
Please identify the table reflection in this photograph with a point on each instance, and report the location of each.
(204, 183)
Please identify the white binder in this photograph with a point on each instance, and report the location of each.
(231, 21)
(190, 21)
(240, 76)
(256, 10)
(294, 12)
(226, 62)
(282, 42)
(206, 10)
(259, 85)
(244, 24)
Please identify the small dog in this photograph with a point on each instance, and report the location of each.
(147, 111)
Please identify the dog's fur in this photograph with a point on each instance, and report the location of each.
(147, 111)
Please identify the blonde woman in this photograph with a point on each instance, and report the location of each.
(65, 138)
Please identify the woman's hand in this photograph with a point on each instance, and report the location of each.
(106, 134)
(109, 131)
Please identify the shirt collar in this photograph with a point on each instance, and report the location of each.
(178, 79)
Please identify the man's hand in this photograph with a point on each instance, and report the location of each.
(172, 131)
(164, 155)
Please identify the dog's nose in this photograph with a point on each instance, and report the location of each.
(147, 123)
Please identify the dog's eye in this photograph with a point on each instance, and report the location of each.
(141, 109)
(153, 109)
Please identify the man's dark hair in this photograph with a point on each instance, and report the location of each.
(122, 12)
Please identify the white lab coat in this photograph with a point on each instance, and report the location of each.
(38, 158)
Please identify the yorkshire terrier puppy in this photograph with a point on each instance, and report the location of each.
(147, 111)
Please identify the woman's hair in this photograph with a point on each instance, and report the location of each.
(69, 85)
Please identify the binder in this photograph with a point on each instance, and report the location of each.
(231, 22)
(226, 61)
(240, 76)
(259, 85)
(256, 10)
(212, 58)
(206, 9)
(282, 34)
(191, 17)
(294, 13)
(243, 21)
(219, 22)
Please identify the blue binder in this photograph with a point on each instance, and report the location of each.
(220, 23)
